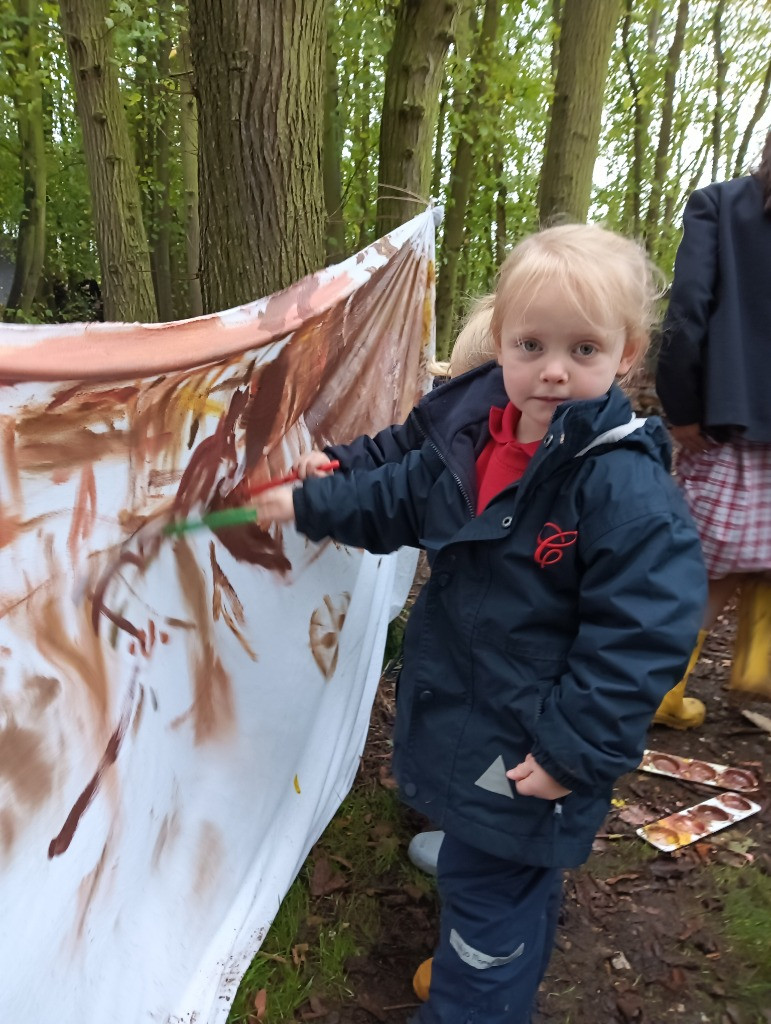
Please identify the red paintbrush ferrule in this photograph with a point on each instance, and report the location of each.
(290, 478)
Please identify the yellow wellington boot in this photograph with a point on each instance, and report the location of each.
(421, 981)
(677, 711)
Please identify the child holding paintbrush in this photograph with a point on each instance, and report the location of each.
(564, 567)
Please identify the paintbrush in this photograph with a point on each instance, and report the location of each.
(243, 514)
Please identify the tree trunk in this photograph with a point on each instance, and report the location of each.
(414, 73)
(461, 179)
(188, 122)
(758, 112)
(333, 145)
(441, 129)
(28, 107)
(160, 254)
(127, 288)
(661, 163)
(576, 111)
(259, 76)
(638, 84)
(363, 177)
(500, 204)
(721, 72)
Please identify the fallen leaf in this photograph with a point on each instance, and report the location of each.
(369, 1004)
(635, 814)
(325, 879)
(261, 1003)
(629, 1005)
(414, 892)
(298, 953)
(676, 979)
(314, 1010)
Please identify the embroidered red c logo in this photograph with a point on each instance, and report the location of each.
(552, 541)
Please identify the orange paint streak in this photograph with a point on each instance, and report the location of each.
(110, 351)
(84, 513)
(213, 706)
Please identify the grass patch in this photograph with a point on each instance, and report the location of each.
(304, 955)
(621, 855)
(746, 899)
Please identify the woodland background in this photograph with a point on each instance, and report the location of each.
(159, 160)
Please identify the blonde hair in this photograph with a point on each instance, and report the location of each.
(602, 274)
(474, 344)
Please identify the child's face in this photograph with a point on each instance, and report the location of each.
(552, 353)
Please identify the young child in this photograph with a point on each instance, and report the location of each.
(566, 591)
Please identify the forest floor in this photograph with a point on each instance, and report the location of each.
(645, 937)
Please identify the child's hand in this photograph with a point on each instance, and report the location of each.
(275, 505)
(691, 439)
(311, 464)
(531, 780)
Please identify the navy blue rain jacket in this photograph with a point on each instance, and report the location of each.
(553, 622)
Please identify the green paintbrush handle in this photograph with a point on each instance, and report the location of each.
(214, 520)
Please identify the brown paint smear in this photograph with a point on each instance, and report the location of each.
(209, 855)
(80, 655)
(61, 843)
(24, 765)
(324, 631)
(87, 889)
(227, 605)
(213, 707)
(84, 513)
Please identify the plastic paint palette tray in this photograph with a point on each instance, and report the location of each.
(689, 769)
(687, 826)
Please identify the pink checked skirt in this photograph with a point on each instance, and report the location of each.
(728, 490)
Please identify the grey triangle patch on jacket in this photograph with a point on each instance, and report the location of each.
(494, 779)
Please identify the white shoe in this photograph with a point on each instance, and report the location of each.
(423, 850)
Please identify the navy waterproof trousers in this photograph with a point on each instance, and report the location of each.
(497, 927)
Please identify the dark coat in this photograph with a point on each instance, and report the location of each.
(715, 362)
(553, 622)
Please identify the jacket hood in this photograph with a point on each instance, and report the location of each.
(577, 426)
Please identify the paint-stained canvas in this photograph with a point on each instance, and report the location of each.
(180, 716)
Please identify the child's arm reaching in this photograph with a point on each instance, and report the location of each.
(531, 780)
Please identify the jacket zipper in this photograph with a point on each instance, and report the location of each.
(469, 506)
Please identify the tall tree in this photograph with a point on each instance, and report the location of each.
(259, 75)
(333, 142)
(127, 288)
(461, 178)
(585, 42)
(414, 73)
(661, 163)
(22, 55)
(188, 130)
(721, 73)
(760, 108)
